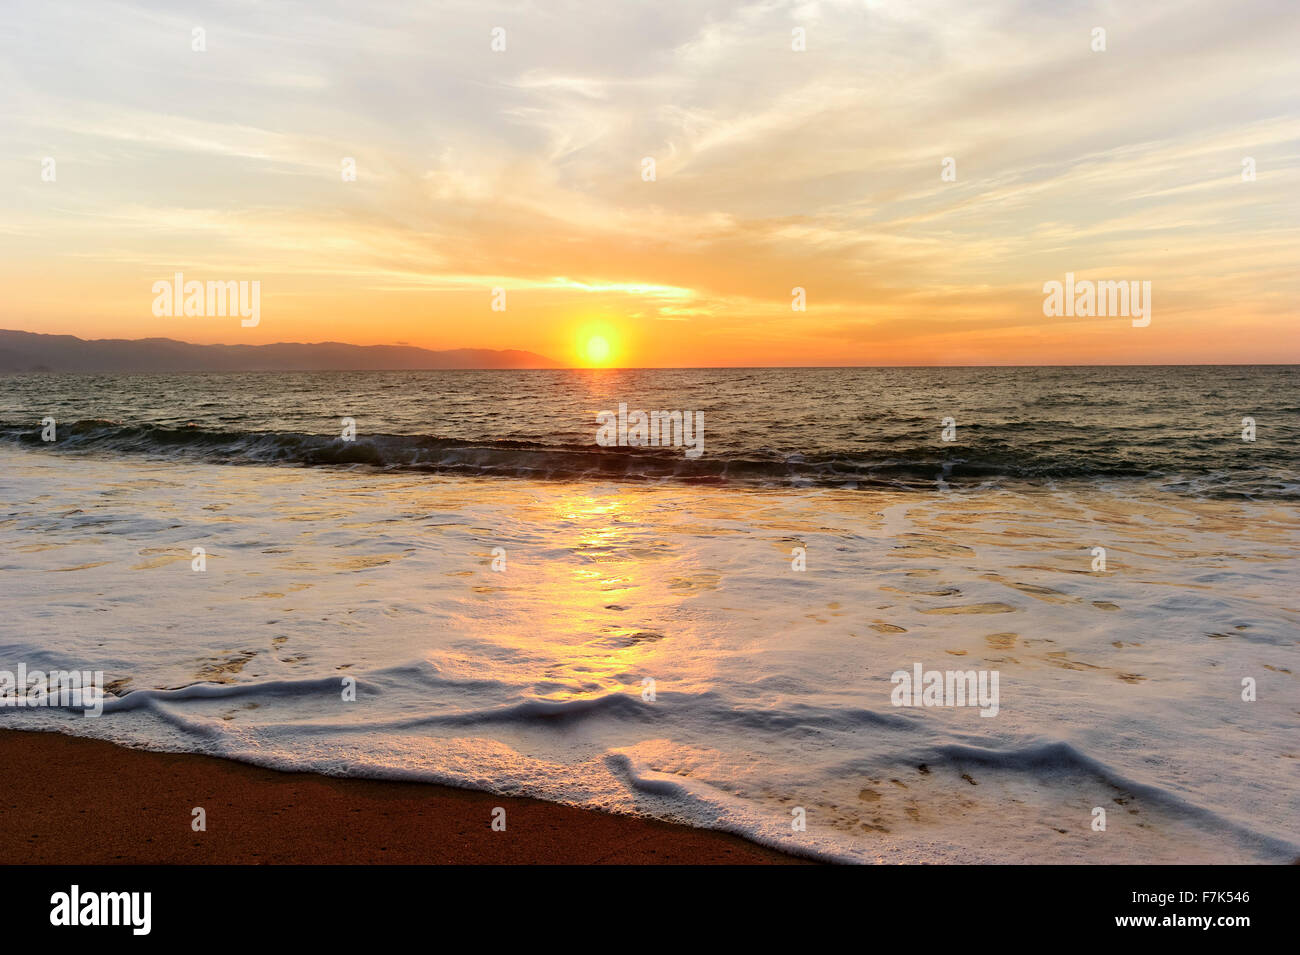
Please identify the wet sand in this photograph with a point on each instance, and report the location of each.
(69, 801)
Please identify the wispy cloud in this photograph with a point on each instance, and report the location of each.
(774, 168)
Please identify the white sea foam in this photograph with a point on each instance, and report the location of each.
(1119, 690)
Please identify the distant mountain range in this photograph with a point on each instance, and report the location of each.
(28, 351)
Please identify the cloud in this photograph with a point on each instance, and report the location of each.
(774, 168)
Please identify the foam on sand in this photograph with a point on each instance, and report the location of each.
(1119, 689)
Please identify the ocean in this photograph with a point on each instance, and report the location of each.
(769, 427)
(715, 640)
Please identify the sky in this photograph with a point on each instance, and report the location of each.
(775, 168)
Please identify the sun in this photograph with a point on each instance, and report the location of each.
(597, 350)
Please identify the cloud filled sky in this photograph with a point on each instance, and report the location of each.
(775, 168)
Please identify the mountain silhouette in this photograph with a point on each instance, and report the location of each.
(32, 352)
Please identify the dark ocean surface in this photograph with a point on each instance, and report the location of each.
(837, 427)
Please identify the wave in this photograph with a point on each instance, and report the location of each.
(324, 748)
(1049, 758)
(898, 466)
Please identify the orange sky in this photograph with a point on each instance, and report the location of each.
(774, 168)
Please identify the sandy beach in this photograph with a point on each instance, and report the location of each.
(74, 801)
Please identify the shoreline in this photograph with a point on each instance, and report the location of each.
(77, 801)
(772, 689)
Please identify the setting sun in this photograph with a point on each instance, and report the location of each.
(597, 350)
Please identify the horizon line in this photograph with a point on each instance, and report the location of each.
(560, 366)
(317, 371)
